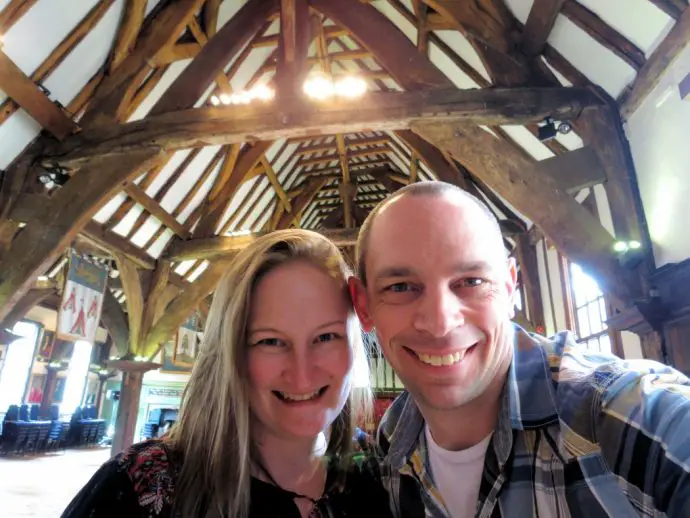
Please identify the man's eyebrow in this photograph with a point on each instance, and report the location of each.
(404, 271)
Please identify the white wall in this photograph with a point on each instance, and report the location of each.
(658, 132)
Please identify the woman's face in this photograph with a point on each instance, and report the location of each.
(299, 356)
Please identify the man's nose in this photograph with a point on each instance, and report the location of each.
(439, 312)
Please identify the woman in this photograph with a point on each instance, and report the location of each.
(266, 423)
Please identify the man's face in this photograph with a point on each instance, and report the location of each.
(439, 294)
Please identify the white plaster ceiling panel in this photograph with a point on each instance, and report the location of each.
(125, 224)
(594, 60)
(167, 171)
(228, 9)
(188, 178)
(86, 59)
(398, 20)
(528, 142)
(240, 194)
(201, 194)
(159, 244)
(173, 71)
(31, 40)
(16, 133)
(147, 230)
(463, 48)
(449, 69)
(107, 211)
(640, 21)
(197, 271)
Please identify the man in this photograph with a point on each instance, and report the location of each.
(495, 421)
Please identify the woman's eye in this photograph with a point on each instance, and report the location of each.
(327, 337)
(268, 341)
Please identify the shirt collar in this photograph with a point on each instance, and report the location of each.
(529, 400)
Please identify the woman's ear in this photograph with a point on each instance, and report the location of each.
(358, 293)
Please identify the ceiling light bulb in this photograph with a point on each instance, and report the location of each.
(225, 98)
(214, 100)
(319, 87)
(350, 86)
(263, 92)
(42, 277)
(245, 97)
(235, 99)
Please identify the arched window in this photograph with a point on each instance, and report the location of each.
(589, 309)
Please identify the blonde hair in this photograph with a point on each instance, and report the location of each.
(213, 431)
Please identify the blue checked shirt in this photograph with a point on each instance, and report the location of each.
(580, 434)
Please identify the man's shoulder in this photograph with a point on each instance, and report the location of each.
(391, 420)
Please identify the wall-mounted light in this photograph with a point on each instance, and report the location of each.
(320, 86)
(628, 253)
(549, 129)
(260, 92)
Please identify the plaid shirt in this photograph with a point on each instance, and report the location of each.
(580, 434)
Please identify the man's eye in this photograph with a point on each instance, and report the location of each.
(399, 287)
(472, 282)
(268, 341)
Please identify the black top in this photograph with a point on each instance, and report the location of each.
(140, 482)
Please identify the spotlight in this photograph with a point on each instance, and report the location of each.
(319, 87)
(350, 86)
(262, 92)
(53, 176)
(214, 100)
(225, 98)
(547, 131)
(628, 253)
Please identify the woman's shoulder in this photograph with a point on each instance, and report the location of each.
(138, 481)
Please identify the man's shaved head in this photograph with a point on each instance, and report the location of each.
(430, 189)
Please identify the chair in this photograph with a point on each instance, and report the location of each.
(33, 412)
(24, 413)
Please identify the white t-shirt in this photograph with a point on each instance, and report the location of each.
(458, 475)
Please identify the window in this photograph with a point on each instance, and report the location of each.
(590, 311)
(15, 371)
(76, 377)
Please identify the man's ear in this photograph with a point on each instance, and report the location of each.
(511, 286)
(358, 293)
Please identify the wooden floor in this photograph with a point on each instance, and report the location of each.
(42, 486)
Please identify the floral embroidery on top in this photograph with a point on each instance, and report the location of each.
(148, 467)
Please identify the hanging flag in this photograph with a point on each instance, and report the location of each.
(82, 300)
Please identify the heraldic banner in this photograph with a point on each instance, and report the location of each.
(82, 300)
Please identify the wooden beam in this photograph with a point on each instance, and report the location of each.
(658, 63)
(540, 22)
(115, 244)
(325, 159)
(60, 53)
(13, 12)
(155, 209)
(602, 130)
(300, 202)
(280, 192)
(127, 32)
(210, 17)
(414, 167)
(70, 209)
(569, 225)
(114, 320)
(609, 37)
(529, 273)
(375, 32)
(295, 38)
(432, 157)
(214, 57)
(575, 170)
(211, 248)
(181, 307)
(376, 111)
(32, 298)
(131, 284)
(214, 209)
(114, 93)
(27, 95)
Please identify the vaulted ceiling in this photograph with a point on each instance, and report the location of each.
(117, 100)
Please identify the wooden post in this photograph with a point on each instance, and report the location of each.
(49, 390)
(127, 410)
(527, 257)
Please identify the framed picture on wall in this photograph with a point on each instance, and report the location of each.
(45, 348)
(186, 345)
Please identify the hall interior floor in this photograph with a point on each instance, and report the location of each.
(42, 486)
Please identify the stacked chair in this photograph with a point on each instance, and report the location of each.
(85, 429)
(23, 432)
